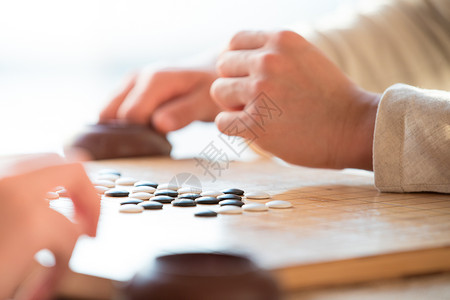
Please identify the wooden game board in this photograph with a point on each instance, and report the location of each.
(341, 229)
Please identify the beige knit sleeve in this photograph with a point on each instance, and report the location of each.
(412, 140)
(397, 41)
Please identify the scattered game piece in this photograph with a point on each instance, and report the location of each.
(146, 183)
(184, 202)
(207, 200)
(101, 189)
(189, 196)
(279, 204)
(131, 208)
(109, 171)
(112, 177)
(151, 205)
(206, 213)
(231, 202)
(234, 192)
(211, 193)
(51, 196)
(143, 188)
(141, 195)
(257, 195)
(126, 181)
(168, 186)
(229, 197)
(106, 183)
(167, 192)
(131, 201)
(162, 199)
(116, 193)
(254, 207)
(230, 210)
(189, 190)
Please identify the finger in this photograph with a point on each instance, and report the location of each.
(59, 235)
(177, 113)
(84, 197)
(110, 111)
(231, 93)
(152, 90)
(236, 124)
(28, 162)
(234, 63)
(248, 40)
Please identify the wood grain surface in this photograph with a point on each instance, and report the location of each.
(340, 230)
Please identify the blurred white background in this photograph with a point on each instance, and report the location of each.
(60, 61)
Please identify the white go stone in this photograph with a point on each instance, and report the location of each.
(168, 186)
(51, 196)
(126, 181)
(254, 207)
(257, 195)
(131, 208)
(141, 195)
(112, 177)
(189, 190)
(210, 193)
(229, 210)
(279, 204)
(143, 189)
(105, 183)
(101, 189)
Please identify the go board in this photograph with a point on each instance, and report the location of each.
(340, 230)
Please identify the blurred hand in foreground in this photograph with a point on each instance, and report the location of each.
(28, 224)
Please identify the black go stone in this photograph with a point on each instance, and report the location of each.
(162, 199)
(231, 202)
(184, 202)
(234, 192)
(207, 200)
(117, 193)
(151, 205)
(206, 213)
(229, 197)
(109, 171)
(131, 201)
(189, 196)
(146, 183)
(166, 193)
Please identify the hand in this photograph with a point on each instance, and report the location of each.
(170, 99)
(323, 119)
(29, 224)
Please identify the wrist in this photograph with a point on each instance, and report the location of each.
(359, 132)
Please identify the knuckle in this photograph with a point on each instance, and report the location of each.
(269, 61)
(234, 40)
(158, 75)
(214, 90)
(220, 66)
(258, 85)
(285, 37)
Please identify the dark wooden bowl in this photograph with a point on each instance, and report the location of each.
(202, 276)
(116, 140)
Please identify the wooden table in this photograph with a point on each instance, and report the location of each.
(340, 231)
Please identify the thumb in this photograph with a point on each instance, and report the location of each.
(237, 123)
(177, 113)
